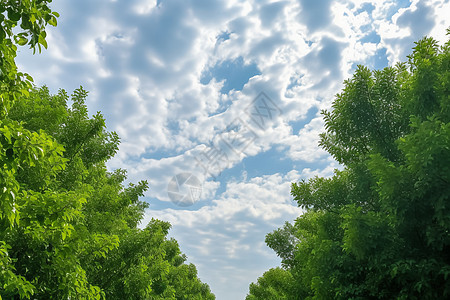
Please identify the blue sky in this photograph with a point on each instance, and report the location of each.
(176, 79)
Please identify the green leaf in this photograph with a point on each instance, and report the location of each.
(42, 40)
(13, 15)
(22, 41)
(53, 21)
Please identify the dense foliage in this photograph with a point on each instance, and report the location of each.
(68, 227)
(380, 228)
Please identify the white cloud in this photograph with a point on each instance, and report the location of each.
(406, 26)
(229, 234)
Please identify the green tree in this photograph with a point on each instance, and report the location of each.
(108, 254)
(32, 17)
(380, 228)
(275, 284)
(68, 227)
(21, 207)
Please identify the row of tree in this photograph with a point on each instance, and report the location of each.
(380, 228)
(68, 227)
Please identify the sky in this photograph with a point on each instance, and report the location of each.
(218, 104)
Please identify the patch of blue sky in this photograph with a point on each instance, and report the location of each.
(156, 204)
(380, 59)
(294, 81)
(235, 73)
(223, 37)
(173, 126)
(368, 7)
(396, 7)
(265, 163)
(298, 125)
(223, 106)
(372, 37)
(366, 28)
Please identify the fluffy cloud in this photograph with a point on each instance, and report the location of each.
(226, 238)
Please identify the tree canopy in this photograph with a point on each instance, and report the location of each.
(379, 228)
(68, 226)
